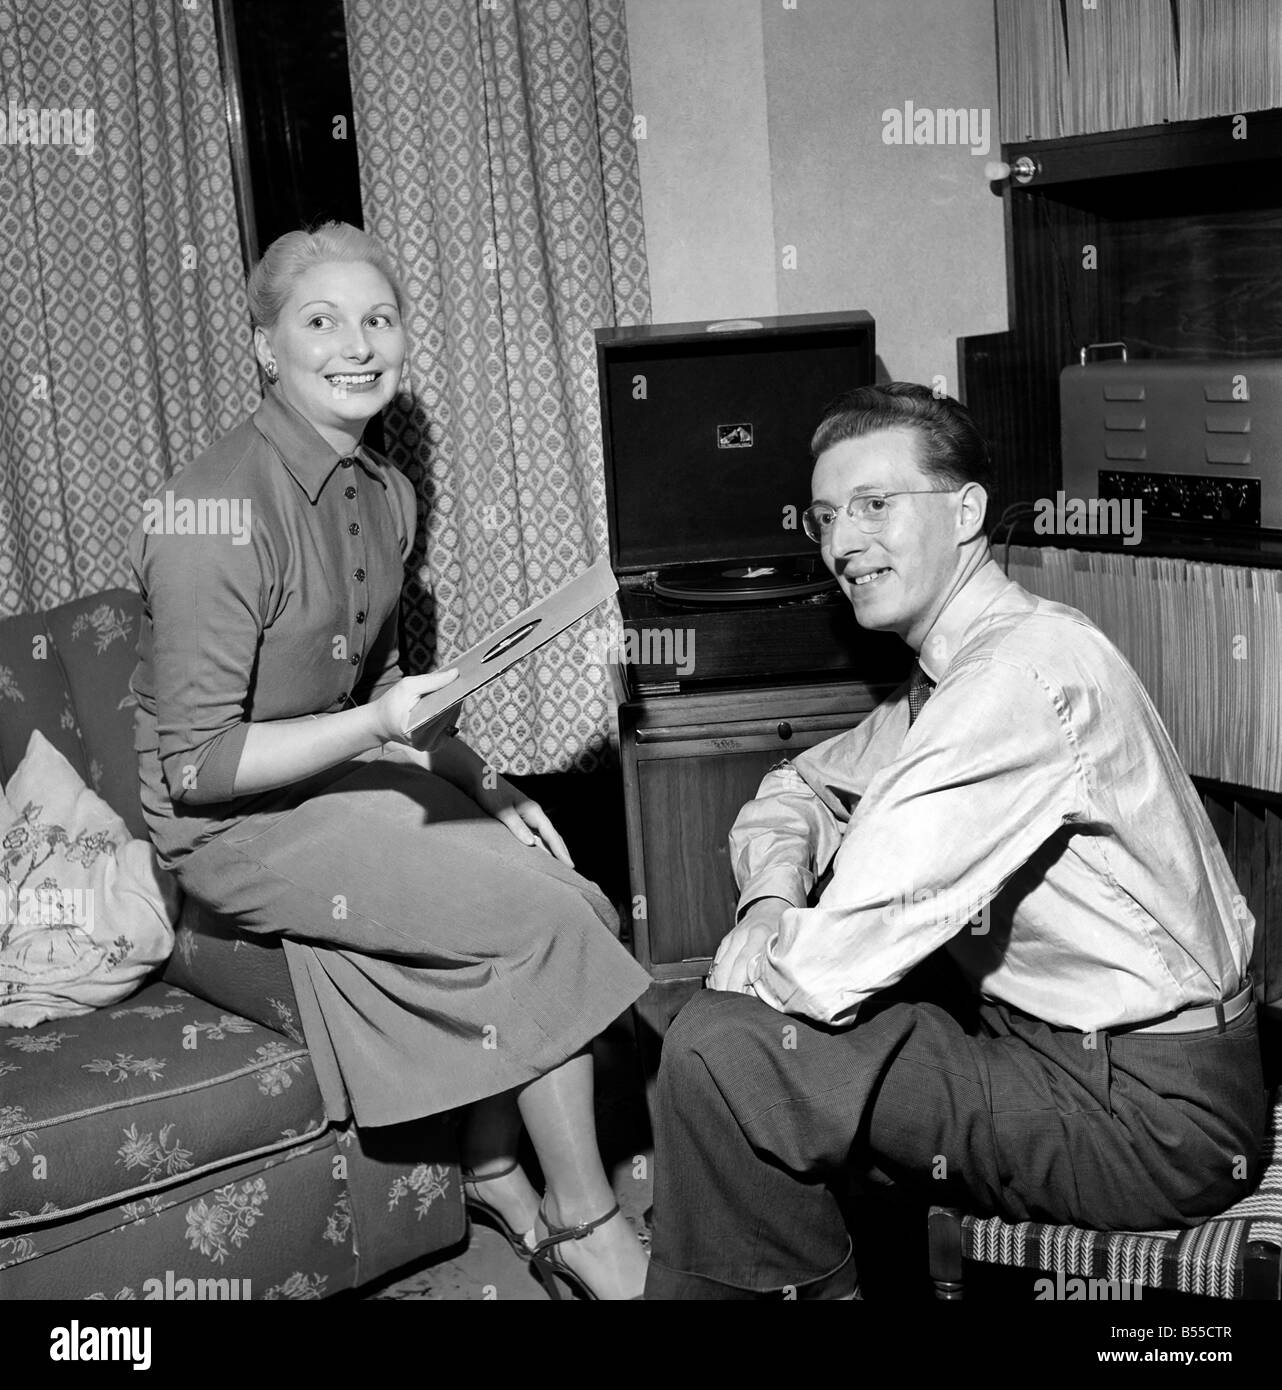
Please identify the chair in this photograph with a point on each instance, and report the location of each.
(1235, 1255)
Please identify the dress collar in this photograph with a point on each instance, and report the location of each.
(302, 450)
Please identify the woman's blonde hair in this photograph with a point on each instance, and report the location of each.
(295, 253)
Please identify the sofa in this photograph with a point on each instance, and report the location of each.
(175, 1145)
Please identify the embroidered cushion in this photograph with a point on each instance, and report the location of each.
(86, 913)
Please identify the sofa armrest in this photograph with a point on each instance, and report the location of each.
(235, 971)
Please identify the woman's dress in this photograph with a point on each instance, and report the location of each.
(436, 959)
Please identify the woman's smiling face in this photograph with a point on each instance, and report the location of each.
(338, 346)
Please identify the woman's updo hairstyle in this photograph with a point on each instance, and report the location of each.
(295, 253)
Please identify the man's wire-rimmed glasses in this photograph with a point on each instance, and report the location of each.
(870, 511)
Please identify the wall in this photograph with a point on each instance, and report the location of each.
(698, 78)
(764, 131)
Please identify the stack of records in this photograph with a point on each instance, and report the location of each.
(1032, 63)
(1205, 640)
(1122, 69)
(1230, 56)
(1068, 69)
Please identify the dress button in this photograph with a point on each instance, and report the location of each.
(360, 617)
(347, 463)
(359, 576)
(355, 660)
(354, 529)
(349, 492)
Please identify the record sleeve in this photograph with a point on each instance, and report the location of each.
(516, 639)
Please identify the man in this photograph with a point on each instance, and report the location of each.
(1019, 804)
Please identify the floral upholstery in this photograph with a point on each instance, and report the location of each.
(162, 1086)
(305, 1222)
(66, 672)
(280, 1227)
(244, 974)
(287, 1226)
(160, 1147)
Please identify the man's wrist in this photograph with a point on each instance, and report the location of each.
(772, 900)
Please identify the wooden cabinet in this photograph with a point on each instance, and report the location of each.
(1164, 238)
(690, 762)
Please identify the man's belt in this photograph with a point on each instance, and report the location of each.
(1195, 1018)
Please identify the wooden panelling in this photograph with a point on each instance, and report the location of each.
(690, 763)
(689, 805)
(1175, 262)
(1269, 949)
(1249, 827)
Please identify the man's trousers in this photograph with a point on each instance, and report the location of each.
(760, 1118)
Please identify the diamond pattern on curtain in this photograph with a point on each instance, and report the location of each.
(124, 327)
(497, 165)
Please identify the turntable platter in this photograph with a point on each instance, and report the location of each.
(741, 584)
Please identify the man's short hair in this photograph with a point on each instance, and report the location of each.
(951, 449)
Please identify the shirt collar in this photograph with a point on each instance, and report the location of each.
(302, 450)
(948, 632)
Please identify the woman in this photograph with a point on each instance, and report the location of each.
(444, 947)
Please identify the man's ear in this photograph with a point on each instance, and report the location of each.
(973, 509)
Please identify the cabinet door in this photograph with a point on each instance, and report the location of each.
(689, 783)
(688, 805)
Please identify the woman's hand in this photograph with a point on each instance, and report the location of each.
(525, 818)
(392, 710)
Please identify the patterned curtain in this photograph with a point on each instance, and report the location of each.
(124, 338)
(497, 165)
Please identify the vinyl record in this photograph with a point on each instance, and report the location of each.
(741, 584)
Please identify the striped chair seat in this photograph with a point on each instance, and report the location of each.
(1235, 1255)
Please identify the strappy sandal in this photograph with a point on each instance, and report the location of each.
(479, 1207)
(548, 1262)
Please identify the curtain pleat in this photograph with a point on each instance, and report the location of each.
(497, 165)
(124, 327)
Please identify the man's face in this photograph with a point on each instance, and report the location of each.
(897, 579)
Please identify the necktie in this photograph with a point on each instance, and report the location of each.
(919, 689)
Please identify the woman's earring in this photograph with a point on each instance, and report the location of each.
(272, 375)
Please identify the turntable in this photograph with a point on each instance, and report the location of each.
(699, 585)
(706, 432)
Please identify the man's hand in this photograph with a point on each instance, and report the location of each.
(741, 946)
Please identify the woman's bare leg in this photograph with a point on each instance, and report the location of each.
(557, 1110)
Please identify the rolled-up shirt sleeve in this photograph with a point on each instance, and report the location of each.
(780, 838)
(204, 596)
(986, 775)
(783, 841)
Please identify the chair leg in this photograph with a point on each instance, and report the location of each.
(1262, 1271)
(945, 1226)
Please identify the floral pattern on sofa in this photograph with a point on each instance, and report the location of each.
(325, 1217)
(221, 1238)
(159, 1088)
(219, 1235)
